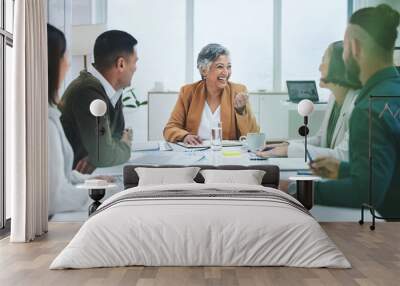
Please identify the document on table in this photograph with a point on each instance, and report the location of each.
(207, 144)
(145, 146)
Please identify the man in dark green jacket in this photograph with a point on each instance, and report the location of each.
(114, 65)
(368, 51)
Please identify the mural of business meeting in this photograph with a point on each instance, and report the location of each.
(199, 142)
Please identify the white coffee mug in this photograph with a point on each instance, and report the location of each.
(253, 141)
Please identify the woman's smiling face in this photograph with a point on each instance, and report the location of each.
(219, 72)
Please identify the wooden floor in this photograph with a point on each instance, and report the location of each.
(375, 257)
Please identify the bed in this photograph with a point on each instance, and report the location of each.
(198, 224)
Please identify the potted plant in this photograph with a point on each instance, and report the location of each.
(130, 100)
(132, 113)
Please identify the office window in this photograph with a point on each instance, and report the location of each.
(82, 12)
(56, 13)
(308, 27)
(159, 27)
(245, 28)
(9, 15)
(170, 40)
(161, 39)
(86, 12)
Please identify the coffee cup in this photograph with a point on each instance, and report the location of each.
(253, 141)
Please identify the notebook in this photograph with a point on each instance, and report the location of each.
(207, 144)
(145, 146)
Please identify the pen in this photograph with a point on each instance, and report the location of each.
(268, 148)
(309, 157)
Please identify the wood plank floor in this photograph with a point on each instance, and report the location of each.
(375, 257)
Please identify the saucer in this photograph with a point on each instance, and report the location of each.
(96, 182)
(95, 187)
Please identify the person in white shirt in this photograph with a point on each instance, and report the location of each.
(333, 137)
(63, 195)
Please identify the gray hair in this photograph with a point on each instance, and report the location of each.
(208, 55)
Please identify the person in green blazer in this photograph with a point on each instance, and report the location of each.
(368, 51)
(115, 60)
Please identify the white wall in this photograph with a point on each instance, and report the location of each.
(159, 27)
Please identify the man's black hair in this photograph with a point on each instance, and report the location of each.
(111, 45)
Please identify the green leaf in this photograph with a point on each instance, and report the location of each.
(125, 99)
(130, 106)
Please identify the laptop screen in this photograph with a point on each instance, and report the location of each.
(302, 89)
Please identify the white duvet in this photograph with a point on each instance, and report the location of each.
(200, 231)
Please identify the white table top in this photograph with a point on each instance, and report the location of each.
(182, 156)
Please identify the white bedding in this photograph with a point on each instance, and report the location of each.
(185, 231)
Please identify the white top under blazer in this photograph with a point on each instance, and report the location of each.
(208, 119)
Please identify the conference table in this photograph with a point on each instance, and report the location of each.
(235, 155)
(179, 155)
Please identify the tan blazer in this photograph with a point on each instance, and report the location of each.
(186, 116)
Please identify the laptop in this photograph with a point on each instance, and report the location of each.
(302, 89)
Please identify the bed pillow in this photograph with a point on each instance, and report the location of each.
(166, 176)
(248, 177)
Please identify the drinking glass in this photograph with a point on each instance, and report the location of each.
(216, 136)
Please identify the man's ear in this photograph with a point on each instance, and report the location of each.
(355, 46)
(120, 63)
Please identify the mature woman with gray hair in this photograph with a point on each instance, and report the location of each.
(212, 99)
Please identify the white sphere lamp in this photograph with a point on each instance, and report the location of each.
(98, 107)
(305, 107)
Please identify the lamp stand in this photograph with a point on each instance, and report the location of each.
(305, 137)
(303, 131)
(98, 139)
